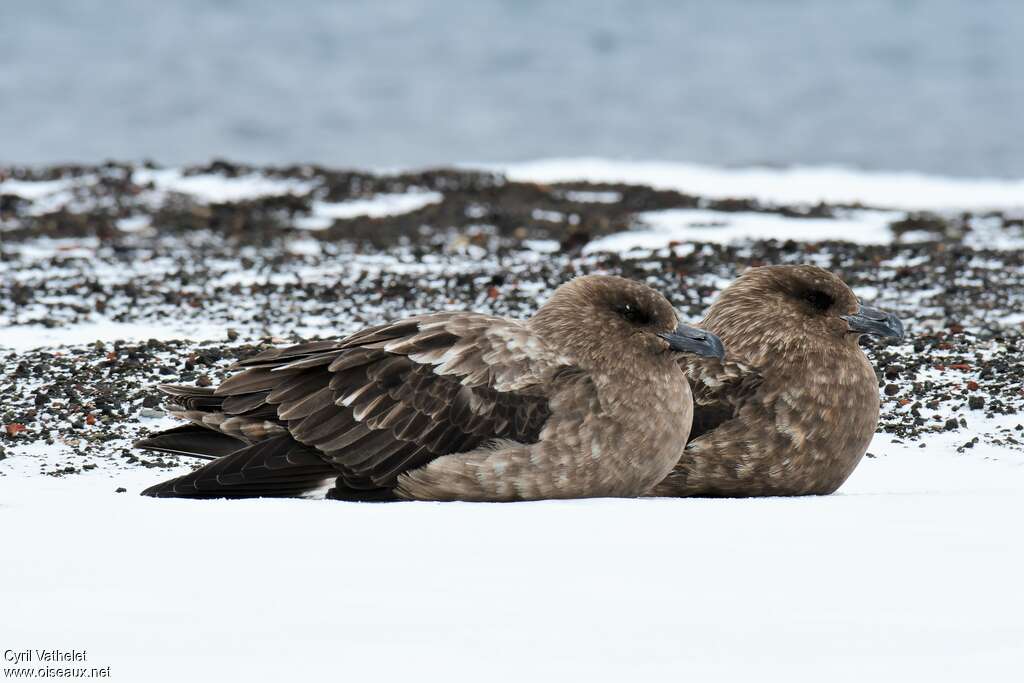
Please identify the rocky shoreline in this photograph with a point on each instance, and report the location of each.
(114, 278)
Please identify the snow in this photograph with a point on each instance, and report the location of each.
(909, 573)
(987, 233)
(378, 206)
(34, 189)
(889, 194)
(44, 248)
(659, 229)
(542, 246)
(44, 195)
(47, 196)
(213, 187)
(594, 197)
(134, 223)
(550, 216)
(800, 184)
(23, 337)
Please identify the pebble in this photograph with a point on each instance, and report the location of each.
(175, 276)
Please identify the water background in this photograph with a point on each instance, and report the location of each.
(883, 84)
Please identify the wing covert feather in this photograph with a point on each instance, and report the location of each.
(393, 397)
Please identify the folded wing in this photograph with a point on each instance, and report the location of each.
(380, 402)
(720, 388)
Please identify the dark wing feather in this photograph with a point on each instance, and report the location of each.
(728, 381)
(191, 440)
(276, 467)
(282, 356)
(247, 403)
(709, 417)
(387, 399)
(720, 388)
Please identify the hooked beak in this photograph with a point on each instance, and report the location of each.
(686, 339)
(872, 321)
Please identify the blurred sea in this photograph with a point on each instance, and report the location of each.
(880, 84)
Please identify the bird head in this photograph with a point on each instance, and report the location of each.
(794, 305)
(599, 319)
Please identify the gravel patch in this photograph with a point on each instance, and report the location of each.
(114, 281)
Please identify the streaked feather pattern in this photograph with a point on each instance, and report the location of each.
(370, 406)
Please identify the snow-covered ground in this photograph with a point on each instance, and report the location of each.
(832, 184)
(913, 571)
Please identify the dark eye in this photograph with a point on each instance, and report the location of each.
(818, 299)
(633, 314)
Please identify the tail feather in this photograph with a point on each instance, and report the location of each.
(192, 398)
(276, 468)
(191, 440)
(343, 492)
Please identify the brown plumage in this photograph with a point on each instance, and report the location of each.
(584, 399)
(794, 407)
